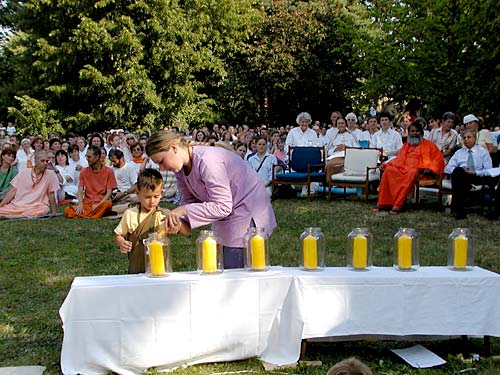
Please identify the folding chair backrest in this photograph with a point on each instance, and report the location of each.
(358, 159)
(301, 157)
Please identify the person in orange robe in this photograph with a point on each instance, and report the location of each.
(94, 189)
(399, 174)
(32, 191)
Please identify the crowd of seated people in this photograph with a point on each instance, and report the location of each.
(261, 146)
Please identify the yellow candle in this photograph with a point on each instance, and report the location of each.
(310, 249)
(156, 261)
(209, 255)
(360, 252)
(258, 252)
(460, 256)
(404, 252)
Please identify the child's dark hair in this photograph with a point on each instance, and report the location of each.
(150, 179)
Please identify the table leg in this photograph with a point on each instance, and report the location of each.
(303, 345)
(487, 346)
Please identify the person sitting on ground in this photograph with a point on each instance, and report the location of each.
(81, 143)
(94, 189)
(388, 139)
(32, 191)
(24, 155)
(466, 167)
(113, 142)
(444, 137)
(37, 144)
(55, 144)
(126, 177)
(399, 174)
(138, 222)
(137, 156)
(104, 157)
(7, 170)
(66, 176)
(262, 162)
(76, 162)
(351, 366)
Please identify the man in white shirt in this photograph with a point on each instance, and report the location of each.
(387, 138)
(125, 176)
(466, 167)
(302, 135)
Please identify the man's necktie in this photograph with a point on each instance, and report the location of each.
(470, 161)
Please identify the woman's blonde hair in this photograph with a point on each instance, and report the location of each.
(162, 141)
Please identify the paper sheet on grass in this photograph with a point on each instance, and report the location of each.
(419, 357)
(22, 370)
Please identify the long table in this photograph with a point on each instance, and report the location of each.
(128, 323)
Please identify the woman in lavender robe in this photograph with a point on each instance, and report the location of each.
(217, 187)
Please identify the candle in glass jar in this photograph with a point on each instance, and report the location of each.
(404, 252)
(209, 255)
(460, 255)
(258, 252)
(310, 248)
(156, 261)
(360, 252)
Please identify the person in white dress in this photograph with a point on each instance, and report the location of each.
(24, 155)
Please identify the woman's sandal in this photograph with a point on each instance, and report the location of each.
(394, 211)
(375, 209)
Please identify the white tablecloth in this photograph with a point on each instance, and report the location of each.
(383, 301)
(128, 323)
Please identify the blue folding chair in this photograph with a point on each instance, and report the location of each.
(306, 165)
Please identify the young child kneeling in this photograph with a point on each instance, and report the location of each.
(138, 222)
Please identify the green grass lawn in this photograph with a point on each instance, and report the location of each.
(39, 259)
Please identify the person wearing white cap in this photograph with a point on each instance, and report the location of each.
(483, 136)
(352, 125)
(24, 155)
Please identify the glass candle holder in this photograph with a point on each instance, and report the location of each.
(157, 255)
(256, 244)
(209, 258)
(460, 253)
(312, 249)
(359, 252)
(406, 250)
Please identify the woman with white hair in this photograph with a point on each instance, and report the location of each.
(24, 155)
(301, 135)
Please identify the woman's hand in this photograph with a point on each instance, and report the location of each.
(173, 219)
